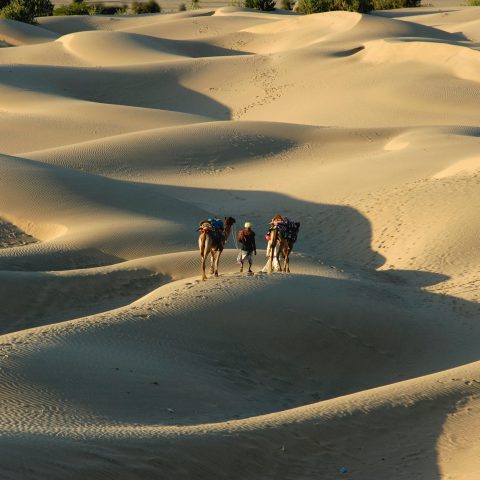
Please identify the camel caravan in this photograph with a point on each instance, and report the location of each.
(281, 236)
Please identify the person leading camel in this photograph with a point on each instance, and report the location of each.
(246, 238)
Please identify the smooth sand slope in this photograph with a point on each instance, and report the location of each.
(120, 134)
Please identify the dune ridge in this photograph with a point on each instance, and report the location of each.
(122, 133)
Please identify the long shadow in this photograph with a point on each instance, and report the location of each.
(336, 234)
(196, 48)
(370, 441)
(389, 444)
(149, 86)
(340, 235)
(428, 33)
(32, 258)
(333, 234)
(33, 299)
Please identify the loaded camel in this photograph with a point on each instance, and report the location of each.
(211, 241)
(283, 234)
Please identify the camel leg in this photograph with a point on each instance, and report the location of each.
(204, 275)
(283, 252)
(272, 246)
(270, 258)
(217, 262)
(286, 260)
(212, 262)
(201, 245)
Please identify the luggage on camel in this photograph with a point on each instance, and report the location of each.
(287, 228)
(214, 227)
(291, 231)
(216, 223)
(212, 223)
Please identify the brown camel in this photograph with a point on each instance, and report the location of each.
(281, 242)
(211, 242)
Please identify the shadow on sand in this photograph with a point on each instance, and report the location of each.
(157, 87)
(394, 438)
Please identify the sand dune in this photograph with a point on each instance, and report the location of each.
(17, 33)
(121, 133)
(461, 21)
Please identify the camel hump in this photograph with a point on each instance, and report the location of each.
(287, 228)
(291, 231)
(216, 223)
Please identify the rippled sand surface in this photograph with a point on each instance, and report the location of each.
(120, 133)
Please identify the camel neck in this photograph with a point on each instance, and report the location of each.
(227, 231)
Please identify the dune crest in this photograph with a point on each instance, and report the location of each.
(18, 33)
(116, 48)
(465, 167)
(464, 61)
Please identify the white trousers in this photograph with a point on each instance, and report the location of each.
(275, 263)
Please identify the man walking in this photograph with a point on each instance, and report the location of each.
(246, 238)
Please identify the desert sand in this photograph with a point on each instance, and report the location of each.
(119, 134)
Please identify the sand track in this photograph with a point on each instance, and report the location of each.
(121, 133)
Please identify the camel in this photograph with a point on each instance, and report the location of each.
(211, 242)
(281, 243)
